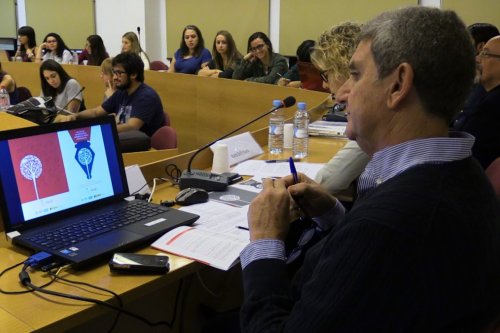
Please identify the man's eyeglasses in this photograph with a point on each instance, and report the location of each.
(117, 72)
(324, 76)
(257, 48)
(486, 54)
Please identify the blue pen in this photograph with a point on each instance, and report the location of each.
(293, 170)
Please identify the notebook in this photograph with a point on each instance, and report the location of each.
(63, 190)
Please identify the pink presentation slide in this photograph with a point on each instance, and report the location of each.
(38, 166)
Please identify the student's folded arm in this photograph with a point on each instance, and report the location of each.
(241, 72)
(171, 69)
(91, 113)
(132, 124)
(275, 72)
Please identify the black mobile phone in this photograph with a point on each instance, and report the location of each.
(139, 263)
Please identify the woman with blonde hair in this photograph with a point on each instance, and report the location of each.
(225, 57)
(107, 77)
(332, 52)
(130, 43)
(331, 55)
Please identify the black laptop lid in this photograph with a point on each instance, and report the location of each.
(57, 170)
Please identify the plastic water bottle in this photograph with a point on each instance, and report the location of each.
(74, 58)
(4, 99)
(300, 134)
(276, 121)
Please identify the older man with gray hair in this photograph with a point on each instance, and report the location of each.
(420, 249)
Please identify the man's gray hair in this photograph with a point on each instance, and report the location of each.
(437, 46)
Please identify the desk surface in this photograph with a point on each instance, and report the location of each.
(28, 312)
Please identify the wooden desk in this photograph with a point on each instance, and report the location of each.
(8, 121)
(200, 108)
(151, 296)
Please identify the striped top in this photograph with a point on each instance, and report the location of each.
(385, 164)
(393, 160)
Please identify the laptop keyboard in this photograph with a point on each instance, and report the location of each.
(64, 237)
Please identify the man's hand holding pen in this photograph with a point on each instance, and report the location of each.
(269, 215)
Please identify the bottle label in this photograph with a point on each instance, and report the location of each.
(275, 130)
(300, 133)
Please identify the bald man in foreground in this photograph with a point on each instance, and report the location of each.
(484, 122)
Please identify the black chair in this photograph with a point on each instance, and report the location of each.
(23, 94)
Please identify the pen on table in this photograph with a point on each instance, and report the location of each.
(241, 227)
(283, 160)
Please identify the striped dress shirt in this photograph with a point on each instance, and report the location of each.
(385, 164)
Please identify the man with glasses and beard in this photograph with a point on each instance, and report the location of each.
(136, 105)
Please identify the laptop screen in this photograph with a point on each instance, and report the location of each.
(47, 171)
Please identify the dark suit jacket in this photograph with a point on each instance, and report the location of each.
(484, 124)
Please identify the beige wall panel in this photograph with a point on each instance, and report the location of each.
(7, 18)
(73, 20)
(241, 18)
(301, 20)
(487, 11)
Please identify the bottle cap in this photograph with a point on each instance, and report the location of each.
(277, 103)
(301, 105)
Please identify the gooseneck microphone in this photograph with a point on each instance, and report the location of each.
(139, 34)
(63, 110)
(215, 182)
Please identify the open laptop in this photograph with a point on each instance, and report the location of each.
(63, 190)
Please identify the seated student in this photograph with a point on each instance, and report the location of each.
(331, 56)
(136, 105)
(225, 57)
(303, 74)
(483, 122)
(107, 78)
(292, 78)
(260, 64)
(65, 91)
(130, 43)
(53, 47)
(94, 51)
(481, 33)
(27, 44)
(8, 83)
(192, 54)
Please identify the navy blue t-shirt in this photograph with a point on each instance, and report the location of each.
(144, 103)
(191, 65)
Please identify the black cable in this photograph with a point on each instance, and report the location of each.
(120, 301)
(26, 281)
(173, 172)
(17, 292)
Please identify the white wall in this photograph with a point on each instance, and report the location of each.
(156, 30)
(116, 17)
(430, 3)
